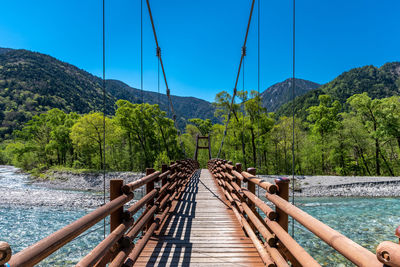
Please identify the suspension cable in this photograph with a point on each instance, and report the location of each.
(141, 50)
(243, 110)
(293, 111)
(258, 162)
(141, 72)
(104, 115)
(158, 54)
(160, 57)
(237, 79)
(165, 78)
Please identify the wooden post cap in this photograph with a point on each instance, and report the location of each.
(282, 180)
(252, 171)
(5, 252)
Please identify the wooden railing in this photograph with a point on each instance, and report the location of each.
(270, 233)
(118, 247)
(389, 252)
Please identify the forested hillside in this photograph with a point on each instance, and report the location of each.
(185, 107)
(32, 83)
(377, 82)
(349, 126)
(281, 93)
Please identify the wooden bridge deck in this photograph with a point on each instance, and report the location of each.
(200, 231)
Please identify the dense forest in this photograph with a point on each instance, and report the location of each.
(364, 140)
(32, 83)
(377, 82)
(50, 118)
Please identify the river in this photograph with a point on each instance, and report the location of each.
(29, 213)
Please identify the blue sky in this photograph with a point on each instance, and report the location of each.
(201, 40)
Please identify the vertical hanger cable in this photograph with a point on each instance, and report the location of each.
(293, 111)
(104, 116)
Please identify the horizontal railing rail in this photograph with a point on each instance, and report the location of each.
(279, 247)
(119, 247)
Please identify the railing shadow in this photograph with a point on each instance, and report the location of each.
(174, 247)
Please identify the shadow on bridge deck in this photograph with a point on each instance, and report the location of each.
(201, 230)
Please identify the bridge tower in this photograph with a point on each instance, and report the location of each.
(196, 152)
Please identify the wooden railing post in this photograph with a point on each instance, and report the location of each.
(283, 192)
(164, 168)
(116, 191)
(239, 170)
(209, 147)
(252, 188)
(171, 169)
(149, 188)
(197, 147)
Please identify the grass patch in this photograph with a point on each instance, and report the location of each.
(73, 170)
(49, 174)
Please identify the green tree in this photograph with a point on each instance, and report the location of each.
(367, 111)
(325, 119)
(88, 138)
(204, 126)
(146, 127)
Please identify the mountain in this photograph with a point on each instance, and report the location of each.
(31, 83)
(377, 82)
(281, 93)
(185, 107)
(5, 50)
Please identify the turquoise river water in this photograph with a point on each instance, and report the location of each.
(367, 221)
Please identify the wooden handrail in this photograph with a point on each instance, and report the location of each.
(240, 199)
(138, 183)
(388, 253)
(102, 248)
(261, 250)
(345, 246)
(299, 254)
(5, 252)
(139, 204)
(122, 233)
(40, 250)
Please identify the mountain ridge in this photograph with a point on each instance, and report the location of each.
(279, 93)
(32, 83)
(378, 82)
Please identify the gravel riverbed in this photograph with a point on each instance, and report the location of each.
(84, 190)
(64, 190)
(344, 186)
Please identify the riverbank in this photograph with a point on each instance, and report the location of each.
(18, 189)
(89, 181)
(72, 190)
(344, 186)
(305, 186)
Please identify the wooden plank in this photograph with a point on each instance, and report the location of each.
(201, 230)
(201, 250)
(179, 260)
(206, 245)
(207, 264)
(186, 252)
